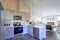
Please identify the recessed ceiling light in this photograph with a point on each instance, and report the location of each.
(35, 1)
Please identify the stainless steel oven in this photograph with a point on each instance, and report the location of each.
(18, 30)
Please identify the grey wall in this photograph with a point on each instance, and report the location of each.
(1, 23)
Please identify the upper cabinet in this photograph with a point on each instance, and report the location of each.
(9, 15)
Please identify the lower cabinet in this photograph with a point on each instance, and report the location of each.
(9, 32)
(33, 31)
(30, 30)
(36, 32)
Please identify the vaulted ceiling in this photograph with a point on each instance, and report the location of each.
(43, 6)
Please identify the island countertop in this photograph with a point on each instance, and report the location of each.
(39, 25)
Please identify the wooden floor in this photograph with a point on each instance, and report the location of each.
(53, 35)
(50, 36)
(23, 37)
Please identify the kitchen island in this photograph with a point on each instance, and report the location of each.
(38, 31)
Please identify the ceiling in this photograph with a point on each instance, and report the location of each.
(43, 6)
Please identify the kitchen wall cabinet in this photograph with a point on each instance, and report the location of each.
(9, 15)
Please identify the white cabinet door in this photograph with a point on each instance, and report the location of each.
(9, 32)
(25, 29)
(42, 33)
(30, 30)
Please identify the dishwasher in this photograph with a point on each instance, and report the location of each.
(36, 32)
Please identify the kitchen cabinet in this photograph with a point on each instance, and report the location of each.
(30, 30)
(9, 32)
(39, 31)
(42, 32)
(25, 29)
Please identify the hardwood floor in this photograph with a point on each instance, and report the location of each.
(50, 36)
(24, 37)
(53, 35)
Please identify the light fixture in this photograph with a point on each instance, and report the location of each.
(54, 29)
(35, 1)
(58, 18)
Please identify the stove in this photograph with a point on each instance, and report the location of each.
(18, 30)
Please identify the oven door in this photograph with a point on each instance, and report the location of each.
(18, 30)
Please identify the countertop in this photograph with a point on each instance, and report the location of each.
(39, 25)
